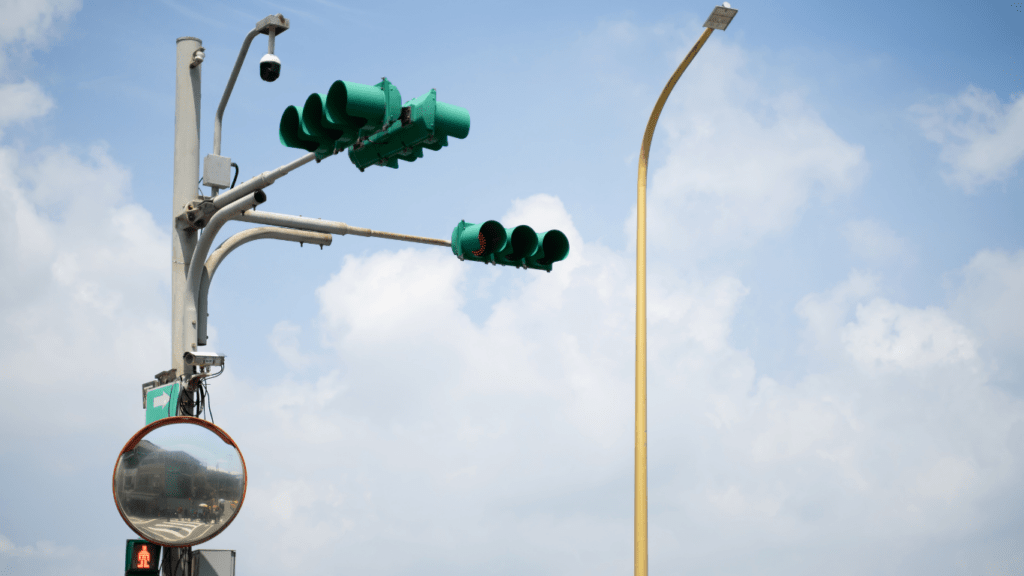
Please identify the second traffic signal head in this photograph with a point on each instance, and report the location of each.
(519, 246)
(422, 123)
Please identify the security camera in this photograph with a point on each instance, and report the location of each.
(197, 57)
(270, 67)
(204, 359)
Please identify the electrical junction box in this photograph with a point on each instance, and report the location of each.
(214, 563)
(217, 171)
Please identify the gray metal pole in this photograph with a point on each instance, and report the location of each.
(187, 96)
(186, 177)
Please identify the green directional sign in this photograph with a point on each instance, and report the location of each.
(162, 402)
(372, 123)
(519, 246)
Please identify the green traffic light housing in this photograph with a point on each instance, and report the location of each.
(372, 123)
(520, 246)
(141, 558)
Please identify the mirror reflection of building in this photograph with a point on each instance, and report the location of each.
(165, 488)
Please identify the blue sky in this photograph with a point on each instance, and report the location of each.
(836, 381)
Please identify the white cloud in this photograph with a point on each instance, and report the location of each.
(825, 313)
(948, 479)
(990, 298)
(22, 102)
(888, 335)
(30, 24)
(408, 293)
(42, 548)
(437, 425)
(988, 301)
(31, 21)
(743, 159)
(979, 136)
(875, 242)
(898, 420)
(91, 279)
(285, 341)
(27, 24)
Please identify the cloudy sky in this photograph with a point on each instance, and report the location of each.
(836, 327)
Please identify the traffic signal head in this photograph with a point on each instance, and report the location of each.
(422, 123)
(334, 121)
(141, 557)
(519, 246)
(372, 123)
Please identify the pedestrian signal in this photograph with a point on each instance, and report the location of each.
(141, 557)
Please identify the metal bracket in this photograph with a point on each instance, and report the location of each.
(163, 378)
(145, 390)
(167, 376)
(198, 213)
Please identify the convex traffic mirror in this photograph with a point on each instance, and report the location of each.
(179, 481)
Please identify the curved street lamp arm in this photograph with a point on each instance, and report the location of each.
(231, 86)
(272, 23)
(229, 245)
(719, 20)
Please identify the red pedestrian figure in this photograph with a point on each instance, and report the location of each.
(143, 558)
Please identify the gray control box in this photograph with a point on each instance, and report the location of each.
(214, 563)
(217, 171)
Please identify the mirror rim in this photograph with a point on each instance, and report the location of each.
(134, 441)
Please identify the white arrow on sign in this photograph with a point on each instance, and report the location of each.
(161, 400)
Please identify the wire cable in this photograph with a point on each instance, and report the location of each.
(207, 404)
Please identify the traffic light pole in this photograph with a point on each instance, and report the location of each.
(187, 96)
(190, 270)
(196, 219)
(184, 238)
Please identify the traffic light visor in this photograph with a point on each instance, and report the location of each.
(291, 131)
(479, 241)
(554, 247)
(316, 125)
(451, 120)
(355, 104)
(522, 243)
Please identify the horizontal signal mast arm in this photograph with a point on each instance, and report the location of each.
(340, 228)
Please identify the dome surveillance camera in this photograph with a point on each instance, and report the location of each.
(270, 67)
